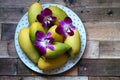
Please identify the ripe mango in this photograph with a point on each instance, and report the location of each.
(27, 46)
(75, 42)
(33, 11)
(59, 49)
(58, 13)
(57, 37)
(34, 28)
(48, 64)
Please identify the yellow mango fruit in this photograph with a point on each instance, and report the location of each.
(58, 13)
(27, 46)
(36, 26)
(57, 37)
(75, 42)
(33, 11)
(59, 49)
(48, 64)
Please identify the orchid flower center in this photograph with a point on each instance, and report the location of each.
(66, 27)
(47, 19)
(45, 42)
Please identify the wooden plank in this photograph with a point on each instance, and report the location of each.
(97, 14)
(11, 49)
(11, 14)
(7, 49)
(8, 31)
(99, 67)
(13, 10)
(92, 50)
(103, 31)
(16, 4)
(8, 66)
(10, 78)
(80, 3)
(43, 78)
(23, 3)
(110, 49)
(0, 31)
(23, 70)
(85, 13)
(57, 78)
(72, 72)
(104, 78)
(3, 49)
(97, 3)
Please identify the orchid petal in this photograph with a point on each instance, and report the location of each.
(46, 12)
(48, 35)
(67, 20)
(42, 49)
(52, 18)
(44, 23)
(65, 35)
(50, 23)
(39, 35)
(59, 30)
(72, 27)
(40, 18)
(62, 23)
(70, 32)
(51, 47)
(36, 43)
(51, 40)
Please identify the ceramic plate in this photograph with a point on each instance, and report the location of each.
(71, 62)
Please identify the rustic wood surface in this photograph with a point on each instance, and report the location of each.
(101, 59)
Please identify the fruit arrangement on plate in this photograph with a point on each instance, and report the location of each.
(50, 39)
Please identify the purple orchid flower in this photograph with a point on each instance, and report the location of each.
(44, 41)
(65, 27)
(46, 18)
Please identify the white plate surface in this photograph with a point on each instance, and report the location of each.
(71, 62)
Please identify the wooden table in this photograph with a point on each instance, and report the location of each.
(101, 60)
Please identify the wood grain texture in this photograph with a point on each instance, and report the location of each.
(57, 78)
(103, 31)
(8, 31)
(97, 14)
(72, 72)
(11, 14)
(98, 3)
(110, 49)
(43, 78)
(22, 69)
(10, 78)
(8, 66)
(92, 50)
(3, 49)
(102, 67)
(23, 3)
(7, 49)
(0, 30)
(104, 78)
